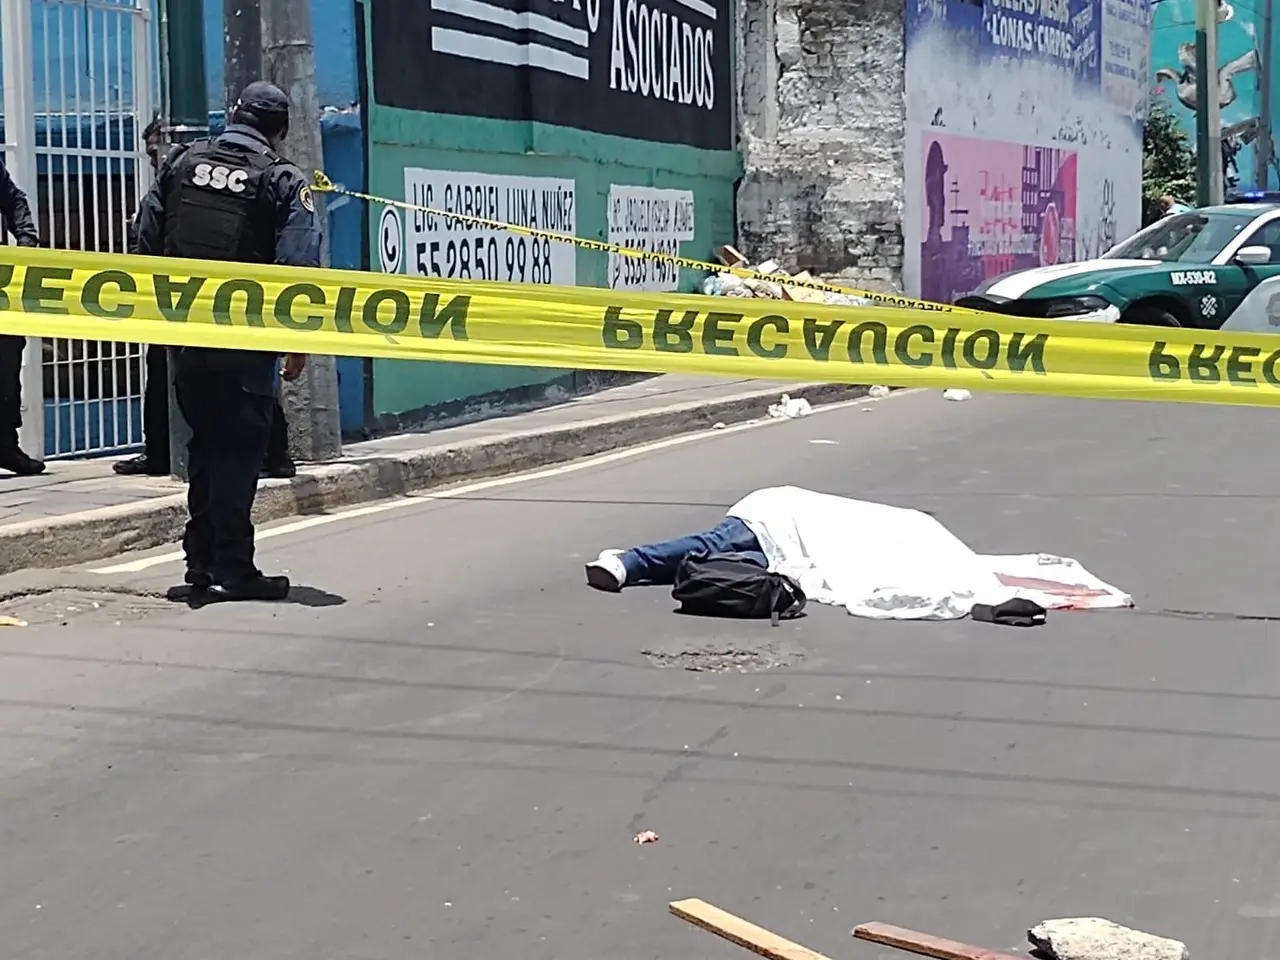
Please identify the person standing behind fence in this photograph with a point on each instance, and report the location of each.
(154, 461)
(19, 222)
(231, 198)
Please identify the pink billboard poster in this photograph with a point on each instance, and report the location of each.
(992, 207)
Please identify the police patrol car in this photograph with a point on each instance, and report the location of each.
(1188, 270)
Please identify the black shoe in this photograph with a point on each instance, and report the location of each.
(198, 579)
(141, 467)
(185, 593)
(259, 588)
(194, 590)
(280, 470)
(15, 461)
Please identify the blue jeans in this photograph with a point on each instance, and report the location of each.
(656, 563)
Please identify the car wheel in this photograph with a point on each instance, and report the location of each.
(1149, 315)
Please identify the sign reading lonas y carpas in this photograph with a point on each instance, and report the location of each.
(200, 303)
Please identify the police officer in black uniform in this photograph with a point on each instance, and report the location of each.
(17, 217)
(231, 198)
(154, 459)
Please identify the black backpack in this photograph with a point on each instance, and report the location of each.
(731, 585)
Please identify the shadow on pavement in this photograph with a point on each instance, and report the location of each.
(300, 596)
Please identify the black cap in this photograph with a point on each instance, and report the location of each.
(263, 106)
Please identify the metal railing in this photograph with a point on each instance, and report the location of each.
(84, 80)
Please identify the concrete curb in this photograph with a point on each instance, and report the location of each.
(109, 531)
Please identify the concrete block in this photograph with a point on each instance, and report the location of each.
(1092, 938)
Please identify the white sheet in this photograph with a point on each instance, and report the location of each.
(891, 563)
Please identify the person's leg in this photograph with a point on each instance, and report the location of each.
(155, 410)
(154, 460)
(200, 410)
(10, 390)
(734, 536)
(11, 456)
(241, 448)
(235, 481)
(656, 563)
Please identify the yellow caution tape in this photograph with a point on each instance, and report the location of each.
(325, 185)
(100, 296)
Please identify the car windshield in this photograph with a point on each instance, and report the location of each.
(1195, 237)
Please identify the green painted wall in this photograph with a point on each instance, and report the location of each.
(401, 138)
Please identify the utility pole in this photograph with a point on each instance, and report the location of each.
(311, 402)
(241, 48)
(1208, 110)
(185, 101)
(1262, 146)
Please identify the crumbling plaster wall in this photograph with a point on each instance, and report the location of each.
(822, 120)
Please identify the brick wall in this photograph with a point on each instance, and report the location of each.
(822, 121)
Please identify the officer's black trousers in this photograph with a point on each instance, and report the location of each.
(230, 428)
(155, 414)
(10, 389)
(155, 407)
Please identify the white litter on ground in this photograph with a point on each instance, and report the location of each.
(957, 394)
(790, 408)
(892, 563)
(878, 392)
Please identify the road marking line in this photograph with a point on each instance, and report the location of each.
(449, 493)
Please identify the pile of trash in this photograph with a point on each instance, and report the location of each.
(763, 288)
(790, 408)
(731, 285)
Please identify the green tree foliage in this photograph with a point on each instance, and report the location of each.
(1168, 162)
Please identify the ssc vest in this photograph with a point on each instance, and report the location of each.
(218, 205)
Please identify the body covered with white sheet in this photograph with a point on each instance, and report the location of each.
(889, 562)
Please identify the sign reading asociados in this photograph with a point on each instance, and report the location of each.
(650, 69)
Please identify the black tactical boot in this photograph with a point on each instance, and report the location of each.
(15, 461)
(257, 588)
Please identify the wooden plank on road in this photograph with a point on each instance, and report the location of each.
(925, 944)
(736, 930)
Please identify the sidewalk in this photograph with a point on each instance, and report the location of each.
(80, 511)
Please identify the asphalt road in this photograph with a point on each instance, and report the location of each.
(446, 751)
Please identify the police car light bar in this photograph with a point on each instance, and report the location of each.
(1255, 196)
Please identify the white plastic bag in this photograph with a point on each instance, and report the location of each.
(790, 408)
